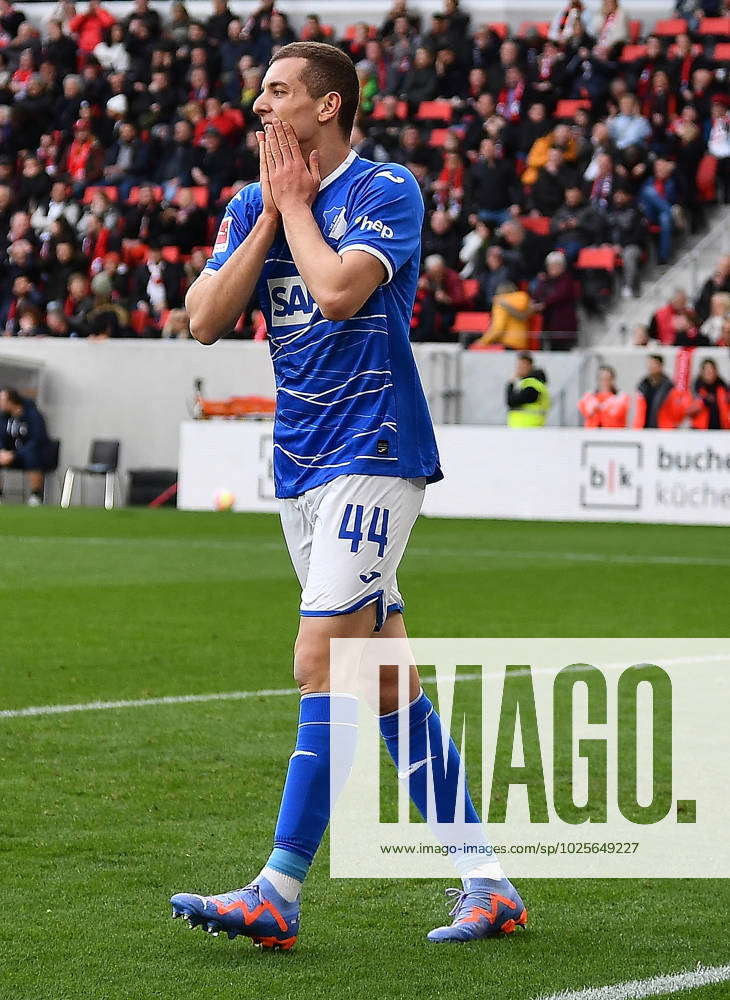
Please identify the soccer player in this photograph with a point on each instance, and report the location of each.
(331, 243)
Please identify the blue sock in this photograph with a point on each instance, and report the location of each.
(305, 804)
(426, 745)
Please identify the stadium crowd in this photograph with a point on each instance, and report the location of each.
(121, 142)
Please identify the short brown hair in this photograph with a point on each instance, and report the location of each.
(328, 69)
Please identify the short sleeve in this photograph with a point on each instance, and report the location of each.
(386, 218)
(237, 222)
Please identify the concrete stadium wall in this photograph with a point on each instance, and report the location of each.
(339, 15)
(140, 392)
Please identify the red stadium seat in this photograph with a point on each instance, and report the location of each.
(379, 111)
(111, 193)
(208, 251)
(134, 193)
(199, 193)
(632, 52)
(171, 254)
(567, 109)
(634, 31)
(536, 322)
(722, 52)
(539, 224)
(435, 111)
(500, 28)
(226, 194)
(438, 137)
(601, 258)
(706, 178)
(471, 322)
(672, 26)
(471, 289)
(718, 26)
(543, 27)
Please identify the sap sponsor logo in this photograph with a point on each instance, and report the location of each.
(374, 226)
(224, 233)
(611, 475)
(391, 176)
(291, 303)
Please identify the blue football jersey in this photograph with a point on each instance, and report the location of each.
(348, 396)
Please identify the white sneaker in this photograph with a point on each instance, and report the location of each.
(34, 500)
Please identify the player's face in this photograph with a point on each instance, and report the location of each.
(284, 96)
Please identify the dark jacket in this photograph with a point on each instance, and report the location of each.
(626, 226)
(26, 435)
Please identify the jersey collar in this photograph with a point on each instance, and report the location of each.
(338, 171)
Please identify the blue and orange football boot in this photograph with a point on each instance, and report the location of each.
(256, 911)
(483, 909)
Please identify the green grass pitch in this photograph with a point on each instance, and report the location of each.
(104, 814)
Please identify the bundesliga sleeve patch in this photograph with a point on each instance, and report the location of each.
(224, 232)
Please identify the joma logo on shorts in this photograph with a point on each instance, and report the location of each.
(374, 225)
(291, 303)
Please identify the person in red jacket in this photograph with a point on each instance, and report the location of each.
(676, 317)
(658, 402)
(85, 158)
(711, 392)
(606, 407)
(90, 26)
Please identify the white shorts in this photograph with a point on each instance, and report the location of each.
(346, 539)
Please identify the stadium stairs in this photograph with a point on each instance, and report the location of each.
(694, 261)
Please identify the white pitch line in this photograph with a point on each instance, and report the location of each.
(657, 986)
(192, 699)
(618, 558)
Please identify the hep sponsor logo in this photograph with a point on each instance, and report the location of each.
(611, 473)
(374, 226)
(291, 303)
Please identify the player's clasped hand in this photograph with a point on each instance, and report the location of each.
(291, 181)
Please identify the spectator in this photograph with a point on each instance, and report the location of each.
(576, 224)
(441, 238)
(658, 403)
(629, 127)
(528, 398)
(78, 303)
(111, 52)
(626, 230)
(23, 441)
(672, 319)
(157, 283)
(612, 27)
(126, 160)
(559, 138)
(494, 275)
(420, 83)
(711, 392)
(718, 145)
(716, 325)
(719, 281)
(442, 294)
(176, 326)
(556, 297)
(524, 251)
(84, 161)
(176, 169)
(606, 407)
(90, 26)
(563, 23)
(659, 200)
(511, 313)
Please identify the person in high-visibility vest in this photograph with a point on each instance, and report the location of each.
(606, 407)
(528, 398)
